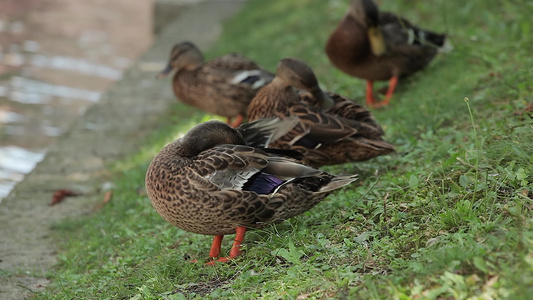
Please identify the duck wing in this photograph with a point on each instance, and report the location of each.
(233, 61)
(229, 166)
(348, 109)
(324, 127)
(236, 167)
(243, 71)
(397, 31)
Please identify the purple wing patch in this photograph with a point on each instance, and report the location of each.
(262, 183)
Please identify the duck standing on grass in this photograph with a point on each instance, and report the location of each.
(222, 86)
(210, 182)
(332, 129)
(376, 45)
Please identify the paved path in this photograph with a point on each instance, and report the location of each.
(110, 130)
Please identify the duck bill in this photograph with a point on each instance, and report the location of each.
(165, 72)
(377, 43)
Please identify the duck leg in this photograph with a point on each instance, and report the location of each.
(215, 248)
(235, 249)
(237, 122)
(239, 238)
(370, 101)
(392, 86)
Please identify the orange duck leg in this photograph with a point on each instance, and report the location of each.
(236, 123)
(215, 248)
(371, 101)
(392, 86)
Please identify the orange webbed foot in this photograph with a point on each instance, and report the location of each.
(219, 260)
(378, 104)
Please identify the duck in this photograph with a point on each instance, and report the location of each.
(332, 129)
(379, 46)
(212, 182)
(222, 86)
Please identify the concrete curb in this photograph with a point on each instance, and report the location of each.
(110, 130)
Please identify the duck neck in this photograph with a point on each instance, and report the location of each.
(272, 100)
(286, 95)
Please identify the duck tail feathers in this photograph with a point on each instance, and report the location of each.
(338, 182)
(262, 132)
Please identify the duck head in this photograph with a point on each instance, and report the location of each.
(208, 135)
(183, 56)
(299, 75)
(366, 11)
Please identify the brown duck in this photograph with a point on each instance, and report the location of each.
(222, 86)
(332, 129)
(376, 45)
(210, 182)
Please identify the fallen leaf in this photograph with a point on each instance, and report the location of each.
(302, 296)
(107, 197)
(528, 110)
(491, 281)
(61, 194)
(141, 191)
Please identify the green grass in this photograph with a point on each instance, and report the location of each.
(449, 217)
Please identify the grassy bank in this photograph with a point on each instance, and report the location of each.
(448, 217)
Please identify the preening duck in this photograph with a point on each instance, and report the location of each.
(332, 129)
(210, 182)
(375, 45)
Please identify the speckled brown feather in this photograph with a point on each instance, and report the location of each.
(210, 86)
(346, 131)
(346, 108)
(180, 183)
(348, 47)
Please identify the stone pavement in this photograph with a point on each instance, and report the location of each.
(110, 130)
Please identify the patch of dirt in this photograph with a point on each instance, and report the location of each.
(110, 130)
(203, 288)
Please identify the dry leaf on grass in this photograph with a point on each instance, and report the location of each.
(107, 197)
(61, 194)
